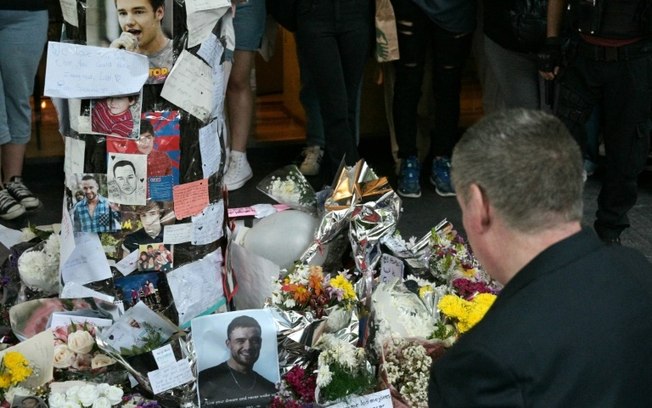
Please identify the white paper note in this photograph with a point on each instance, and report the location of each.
(189, 86)
(10, 237)
(164, 356)
(207, 225)
(88, 262)
(209, 148)
(69, 11)
(170, 376)
(67, 237)
(64, 319)
(73, 290)
(380, 399)
(83, 71)
(197, 287)
(391, 267)
(177, 233)
(74, 156)
(129, 263)
(201, 18)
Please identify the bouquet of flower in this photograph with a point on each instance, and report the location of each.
(14, 369)
(466, 313)
(296, 390)
(343, 370)
(95, 395)
(307, 289)
(38, 267)
(289, 186)
(75, 350)
(406, 371)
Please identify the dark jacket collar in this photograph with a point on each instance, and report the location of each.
(551, 259)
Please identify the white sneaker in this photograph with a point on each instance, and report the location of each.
(238, 171)
(311, 161)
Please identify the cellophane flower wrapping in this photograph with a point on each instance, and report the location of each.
(14, 369)
(289, 186)
(306, 304)
(38, 268)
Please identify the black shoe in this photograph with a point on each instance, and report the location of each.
(21, 193)
(9, 207)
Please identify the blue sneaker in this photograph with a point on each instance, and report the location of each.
(440, 176)
(408, 178)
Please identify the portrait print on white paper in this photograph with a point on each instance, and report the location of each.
(237, 358)
(127, 178)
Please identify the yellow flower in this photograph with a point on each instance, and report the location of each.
(5, 380)
(340, 282)
(15, 368)
(423, 290)
(466, 313)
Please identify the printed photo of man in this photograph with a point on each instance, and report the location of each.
(140, 21)
(94, 213)
(235, 383)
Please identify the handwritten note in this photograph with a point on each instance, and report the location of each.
(211, 51)
(67, 237)
(380, 399)
(74, 156)
(189, 86)
(164, 356)
(209, 148)
(177, 233)
(73, 290)
(88, 262)
(207, 225)
(197, 287)
(82, 71)
(202, 16)
(190, 198)
(69, 12)
(129, 263)
(170, 376)
(391, 268)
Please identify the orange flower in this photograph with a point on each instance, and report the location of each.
(301, 294)
(316, 280)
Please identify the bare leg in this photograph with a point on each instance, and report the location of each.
(240, 99)
(12, 160)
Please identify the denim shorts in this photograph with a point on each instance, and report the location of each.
(249, 25)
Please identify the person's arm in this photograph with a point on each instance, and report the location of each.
(550, 55)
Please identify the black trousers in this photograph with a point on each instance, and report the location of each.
(416, 32)
(334, 37)
(620, 83)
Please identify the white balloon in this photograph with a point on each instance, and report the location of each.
(282, 237)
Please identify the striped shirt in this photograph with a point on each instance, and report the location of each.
(108, 124)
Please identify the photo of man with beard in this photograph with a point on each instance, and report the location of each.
(94, 213)
(234, 383)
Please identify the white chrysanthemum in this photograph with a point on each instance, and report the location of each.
(324, 376)
(87, 394)
(38, 272)
(56, 400)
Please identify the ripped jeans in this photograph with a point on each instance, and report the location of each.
(449, 52)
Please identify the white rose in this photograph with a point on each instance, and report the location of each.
(114, 394)
(81, 342)
(63, 356)
(71, 404)
(102, 389)
(56, 400)
(101, 360)
(102, 402)
(87, 394)
(71, 393)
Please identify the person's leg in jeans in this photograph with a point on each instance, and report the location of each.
(22, 36)
(334, 38)
(249, 25)
(411, 28)
(450, 52)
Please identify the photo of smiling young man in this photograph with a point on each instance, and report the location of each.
(244, 379)
(142, 32)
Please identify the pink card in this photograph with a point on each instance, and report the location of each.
(190, 198)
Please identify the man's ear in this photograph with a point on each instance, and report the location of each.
(478, 212)
(159, 13)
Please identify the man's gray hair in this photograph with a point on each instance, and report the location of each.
(528, 166)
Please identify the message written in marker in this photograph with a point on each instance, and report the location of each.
(83, 71)
(190, 198)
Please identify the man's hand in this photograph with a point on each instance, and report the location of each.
(549, 58)
(126, 41)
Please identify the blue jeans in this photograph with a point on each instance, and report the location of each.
(334, 38)
(22, 38)
(449, 51)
